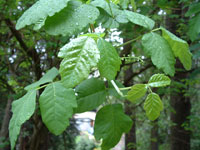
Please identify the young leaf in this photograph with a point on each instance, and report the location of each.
(56, 105)
(48, 77)
(22, 109)
(110, 124)
(80, 55)
(110, 61)
(153, 105)
(71, 19)
(179, 47)
(140, 20)
(38, 13)
(160, 51)
(137, 91)
(91, 94)
(159, 80)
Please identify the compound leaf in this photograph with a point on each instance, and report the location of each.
(110, 61)
(22, 109)
(56, 105)
(38, 13)
(80, 55)
(160, 51)
(179, 47)
(153, 105)
(139, 19)
(137, 91)
(91, 94)
(110, 124)
(48, 77)
(71, 19)
(159, 80)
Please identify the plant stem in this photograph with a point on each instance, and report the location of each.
(128, 42)
(116, 88)
(42, 86)
(126, 88)
(137, 38)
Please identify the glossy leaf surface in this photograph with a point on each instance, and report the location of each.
(79, 56)
(160, 51)
(91, 94)
(48, 77)
(159, 80)
(56, 105)
(38, 13)
(140, 20)
(153, 105)
(110, 61)
(137, 91)
(179, 47)
(110, 124)
(22, 109)
(72, 19)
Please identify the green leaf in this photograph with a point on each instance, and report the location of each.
(124, 3)
(38, 12)
(48, 77)
(110, 61)
(106, 20)
(105, 6)
(110, 124)
(193, 9)
(110, 17)
(179, 47)
(160, 51)
(194, 27)
(140, 20)
(91, 94)
(80, 55)
(72, 19)
(137, 91)
(22, 109)
(159, 80)
(56, 105)
(153, 105)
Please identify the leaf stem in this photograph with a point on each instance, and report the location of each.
(128, 42)
(155, 29)
(116, 88)
(126, 88)
(135, 39)
(42, 86)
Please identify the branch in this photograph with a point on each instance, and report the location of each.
(137, 73)
(16, 34)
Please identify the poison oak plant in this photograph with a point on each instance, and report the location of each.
(75, 93)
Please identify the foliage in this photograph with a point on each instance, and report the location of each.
(89, 53)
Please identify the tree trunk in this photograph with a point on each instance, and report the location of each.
(154, 135)
(180, 138)
(130, 138)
